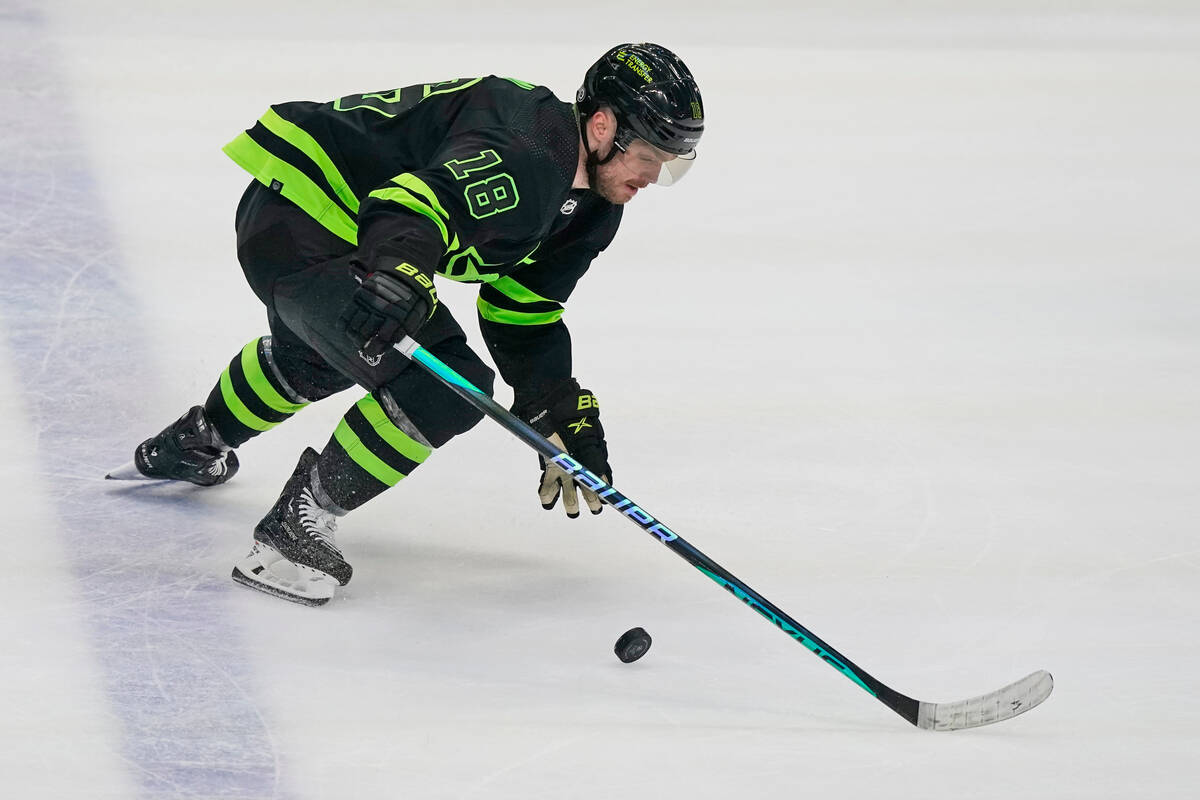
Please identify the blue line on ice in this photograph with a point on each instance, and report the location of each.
(173, 664)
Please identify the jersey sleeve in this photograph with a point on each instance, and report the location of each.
(520, 315)
(472, 213)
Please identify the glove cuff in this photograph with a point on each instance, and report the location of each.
(574, 415)
(536, 405)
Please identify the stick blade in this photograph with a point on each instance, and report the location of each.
(997, 706)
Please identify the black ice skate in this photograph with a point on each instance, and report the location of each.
(190, 449)
(294, 554)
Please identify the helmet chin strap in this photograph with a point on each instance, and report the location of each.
(593, 160)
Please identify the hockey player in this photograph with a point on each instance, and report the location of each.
(356, 205)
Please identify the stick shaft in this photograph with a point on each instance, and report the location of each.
(901, 704)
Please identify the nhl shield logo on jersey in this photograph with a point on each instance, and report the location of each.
(569, 206)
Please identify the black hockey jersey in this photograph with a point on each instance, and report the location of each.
(469, 179)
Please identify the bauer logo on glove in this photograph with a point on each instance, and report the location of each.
(389, 305)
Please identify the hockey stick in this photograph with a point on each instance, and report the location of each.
(1002, 704)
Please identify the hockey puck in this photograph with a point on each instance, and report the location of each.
(632, 645)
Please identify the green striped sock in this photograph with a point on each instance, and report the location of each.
(251, 397)
(366, 455)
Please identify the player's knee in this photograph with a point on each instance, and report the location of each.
(437, 412)
(481, 375)
(466, 416)
(303, 370)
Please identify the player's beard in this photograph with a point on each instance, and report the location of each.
(608, 185)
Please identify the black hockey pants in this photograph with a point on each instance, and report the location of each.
(301, 272)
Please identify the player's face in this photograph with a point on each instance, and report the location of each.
(633, 169)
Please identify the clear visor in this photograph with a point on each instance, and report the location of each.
(675, 168)
(658, 166)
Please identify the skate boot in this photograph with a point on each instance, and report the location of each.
(294, 554)
(190, 449)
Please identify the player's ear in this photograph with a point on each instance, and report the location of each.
(603, 127)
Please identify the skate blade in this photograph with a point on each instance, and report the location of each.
(266, 570)
(128, 472)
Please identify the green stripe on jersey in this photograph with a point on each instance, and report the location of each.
(515, 291)
(416, 195)
(496, 314)
(429, 89)
(300, 139)
(521, 83)
(296, 186)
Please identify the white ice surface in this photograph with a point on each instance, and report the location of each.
(914, 351)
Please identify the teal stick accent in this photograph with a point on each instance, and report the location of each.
(784, 626)
(434, 363)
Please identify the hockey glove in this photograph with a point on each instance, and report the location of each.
(570, 418)
(389, 305)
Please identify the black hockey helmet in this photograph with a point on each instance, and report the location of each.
(654, 98)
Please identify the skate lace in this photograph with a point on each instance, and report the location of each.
(317, 521)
